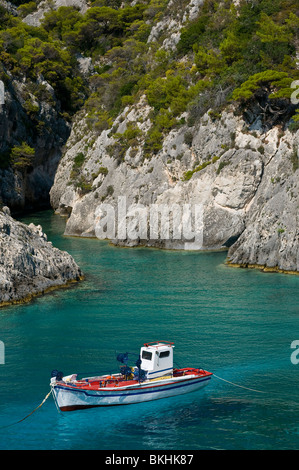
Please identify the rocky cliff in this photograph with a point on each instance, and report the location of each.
(246, 182)
(238, 164)
(34, 18)
(29, 264)
(187, 106)
(37, 78)
(24, 118)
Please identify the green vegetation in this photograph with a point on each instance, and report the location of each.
(188, 175)
(229, 53)
(27, 8)
(79, 160)
(22, 156)
(244, 49)
(271, 80)
(29, 53)
(295, 159)
(222, 165)
(83, 185)
(76, 170)
(129, 138)
(103, 171)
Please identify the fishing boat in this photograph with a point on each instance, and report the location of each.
(152, 377)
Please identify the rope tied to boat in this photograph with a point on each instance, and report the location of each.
(236, 385)
(27, 416)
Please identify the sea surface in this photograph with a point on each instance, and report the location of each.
(237, 323)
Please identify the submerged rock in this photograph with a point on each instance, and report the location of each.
(29, 264)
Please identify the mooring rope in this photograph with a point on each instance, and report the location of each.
(23, 419)
(236, 385)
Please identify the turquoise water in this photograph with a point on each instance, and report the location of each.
(236, 323)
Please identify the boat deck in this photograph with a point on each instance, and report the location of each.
(118, 380)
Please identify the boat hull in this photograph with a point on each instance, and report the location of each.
(69, 398)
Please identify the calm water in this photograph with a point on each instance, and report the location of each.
(238, 324)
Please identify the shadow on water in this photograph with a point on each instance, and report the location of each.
(163, 424)
(169, 424)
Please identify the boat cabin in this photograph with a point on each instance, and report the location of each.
(157, 359)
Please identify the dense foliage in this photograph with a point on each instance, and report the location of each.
(245, 48)
(228, 54)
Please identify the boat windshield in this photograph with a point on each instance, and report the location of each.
(147, 355)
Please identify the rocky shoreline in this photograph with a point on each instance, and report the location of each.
(261, 268)
(239, 164)
(29, 264)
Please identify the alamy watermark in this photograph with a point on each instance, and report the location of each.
(168, 222)
(295, 354)
(2, 353)
(2, 93)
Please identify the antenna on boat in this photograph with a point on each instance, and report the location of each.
(123, 359)
(138, 364)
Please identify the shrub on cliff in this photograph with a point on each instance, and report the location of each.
(271, 80)
(232, 44)
(22, 156)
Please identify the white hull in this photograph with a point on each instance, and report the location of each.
(69, 398)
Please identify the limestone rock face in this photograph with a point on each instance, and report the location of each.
(29, 188)
(245, 183)
(34, 19)
(29, 264)
(224, 197)
(271, 237)
(240, 175)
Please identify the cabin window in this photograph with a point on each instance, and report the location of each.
(164, 354)
(147, 355)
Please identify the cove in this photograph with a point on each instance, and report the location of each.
(236, 323)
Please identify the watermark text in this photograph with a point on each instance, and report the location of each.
(2, 93)
(295, 353)
(2, 353)
(168, 222)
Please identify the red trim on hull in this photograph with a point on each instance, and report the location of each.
(113, 387)
(82, 407)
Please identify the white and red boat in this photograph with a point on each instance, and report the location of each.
(153, 377)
